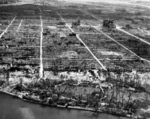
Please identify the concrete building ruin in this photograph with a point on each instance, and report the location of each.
(109, 23)
(76, 23)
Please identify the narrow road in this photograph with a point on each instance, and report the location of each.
(65, 22)
(86, 33)
(41, 50)
(19, 26)
(91, 52)
(30, 46)
(140, 5)
(7, 27)
(121, 45)
(78, 37)
(87, 59)
(119, 28)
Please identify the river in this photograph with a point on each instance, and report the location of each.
(14, 108)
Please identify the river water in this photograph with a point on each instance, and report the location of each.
(13, 108)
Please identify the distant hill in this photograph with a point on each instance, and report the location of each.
(109, 1)
(145, 2)
(8, 1)
(106, 1)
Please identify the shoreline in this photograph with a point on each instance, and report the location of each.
(74, 107)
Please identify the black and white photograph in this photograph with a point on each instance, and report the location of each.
(74, 59)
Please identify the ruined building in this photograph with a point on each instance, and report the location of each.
(109, 23)
(76, 23)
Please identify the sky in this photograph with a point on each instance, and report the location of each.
(104, 0)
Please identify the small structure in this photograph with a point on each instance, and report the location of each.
(109, 23)
(76, 23)
(128, 26)
(3, 2)
(136, 21)
(62, 35)
(61, 23)
(72, 34)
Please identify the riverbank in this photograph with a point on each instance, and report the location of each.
(15, 108)
(111, 111)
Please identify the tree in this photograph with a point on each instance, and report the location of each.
(122, 96)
